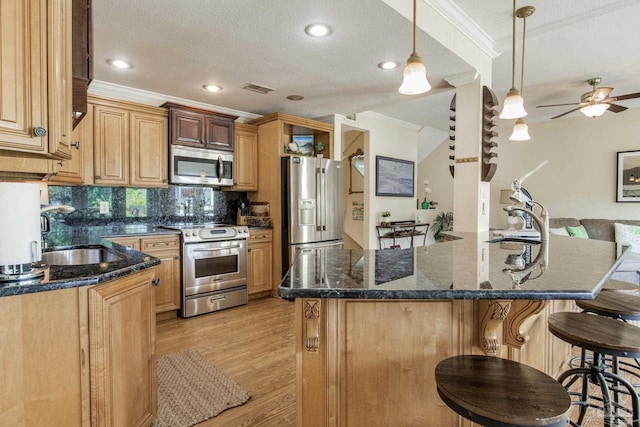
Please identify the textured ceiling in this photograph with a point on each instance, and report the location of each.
(177, 46)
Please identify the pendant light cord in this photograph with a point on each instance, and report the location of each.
(524, 32)
(414, 26)
(513, 49)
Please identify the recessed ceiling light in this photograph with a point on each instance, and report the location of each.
(295, 97)
(388, 65)
(212, 88)
(317, 30)
(119, 63)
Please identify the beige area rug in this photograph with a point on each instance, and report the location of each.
(191, 390)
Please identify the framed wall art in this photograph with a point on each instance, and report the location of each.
(394, 177)
(628, 176)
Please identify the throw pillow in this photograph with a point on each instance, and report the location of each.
(628, 235)
(577, 231)
(560, 231)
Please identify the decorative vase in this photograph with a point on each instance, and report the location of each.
(425, 204)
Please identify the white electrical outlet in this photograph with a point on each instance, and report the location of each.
(104, 207)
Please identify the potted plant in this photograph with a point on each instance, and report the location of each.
(443, 222)
(385, 218)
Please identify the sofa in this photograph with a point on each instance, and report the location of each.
(604, 229)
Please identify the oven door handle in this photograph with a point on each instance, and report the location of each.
(216, 249)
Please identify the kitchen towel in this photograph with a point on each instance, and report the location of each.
(20, 223)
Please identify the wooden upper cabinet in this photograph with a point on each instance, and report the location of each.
(111, 145)
(82, 57)
(130, 144)
(35, 83)
(200, 128)
(246, 158)
(148, 150)
(79, 169)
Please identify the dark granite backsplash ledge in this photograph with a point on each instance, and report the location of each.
(119, 205)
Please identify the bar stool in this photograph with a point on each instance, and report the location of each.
(617, 305)
(496, 392)
(620, 286)
(603, 336)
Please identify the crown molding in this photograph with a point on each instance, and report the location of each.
(462, 78)
(463, 23)
(140, 96)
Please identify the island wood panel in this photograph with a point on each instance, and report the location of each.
(40, 358)
(542, 350)
(367, 362)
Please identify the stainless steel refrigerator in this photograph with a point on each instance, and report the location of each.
(312, 206)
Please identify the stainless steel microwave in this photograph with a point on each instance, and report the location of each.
(188, 165)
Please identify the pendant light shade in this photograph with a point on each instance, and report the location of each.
(513, 105)
(595, 110)
(414, 80)
(520, 131)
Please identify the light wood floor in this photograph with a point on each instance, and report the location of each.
(253, 344)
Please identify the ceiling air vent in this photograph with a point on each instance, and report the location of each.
(257, 88)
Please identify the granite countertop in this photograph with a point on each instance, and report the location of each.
(471, 267)
(81, 236)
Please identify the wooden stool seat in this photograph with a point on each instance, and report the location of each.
(620, 286)
(619, 305)
(596, 333)
(497, 392)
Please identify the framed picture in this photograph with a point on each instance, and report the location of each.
(628, 177)
(394, 177)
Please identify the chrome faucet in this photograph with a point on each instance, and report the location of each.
(542, 221)
(45, 222)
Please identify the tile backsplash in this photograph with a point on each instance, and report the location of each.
(108, 205)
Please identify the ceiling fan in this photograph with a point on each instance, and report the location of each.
(596, 102)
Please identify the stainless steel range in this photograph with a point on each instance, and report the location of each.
(214, 267)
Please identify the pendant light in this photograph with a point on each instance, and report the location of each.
(513, 107)
(521, 130)
(415, 73)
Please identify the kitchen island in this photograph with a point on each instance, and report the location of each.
(371, 325)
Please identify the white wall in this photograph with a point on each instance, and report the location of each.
(353, 228)
(383, 137)
(580, 179)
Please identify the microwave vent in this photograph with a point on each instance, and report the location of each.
(257, 88)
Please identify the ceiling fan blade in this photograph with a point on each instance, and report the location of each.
(557, 105)
(568, 112)
(628, 96)
(615, 108)
(601, 93)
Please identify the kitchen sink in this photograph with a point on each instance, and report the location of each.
(80, 256)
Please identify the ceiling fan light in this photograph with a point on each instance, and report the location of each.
(415, 77)
(520, 131)
(595, 110)
(513, 105)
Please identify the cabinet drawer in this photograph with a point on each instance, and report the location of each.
(260, 236)
(160, 243)
(130, 242)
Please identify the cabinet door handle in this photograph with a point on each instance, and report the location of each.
(75, 144)
(156, 282)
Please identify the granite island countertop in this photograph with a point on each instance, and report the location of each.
(471, 267)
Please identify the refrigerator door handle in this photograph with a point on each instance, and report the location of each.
(323, 196)
(319, 207)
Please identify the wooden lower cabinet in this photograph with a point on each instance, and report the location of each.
(260, 256)
(372, 362)
(80, 356)
(167, 249)
(122, 357)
